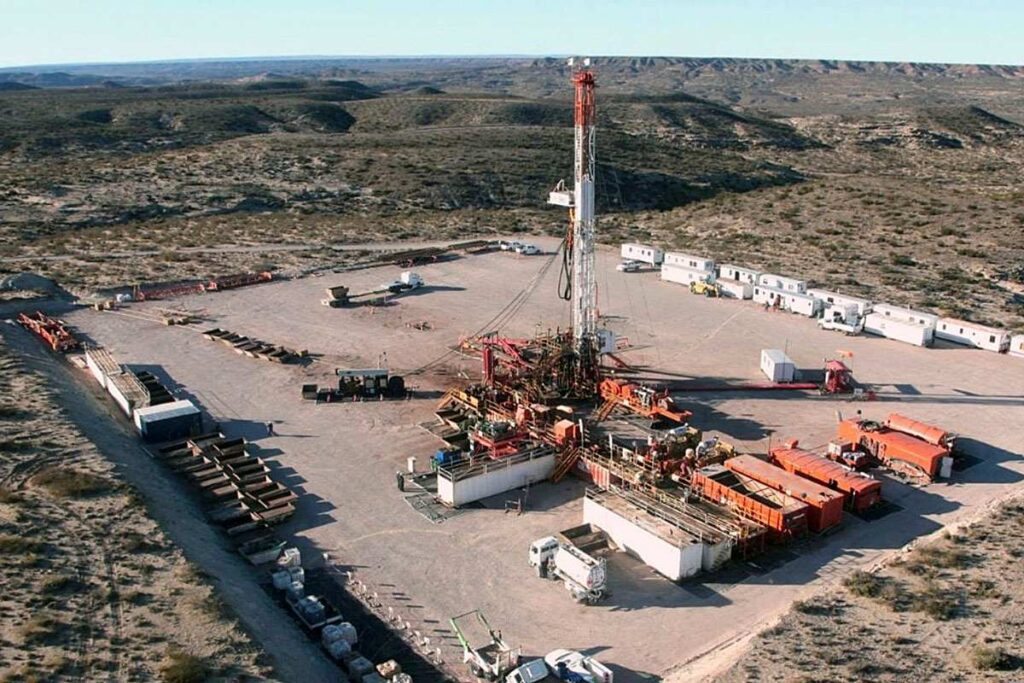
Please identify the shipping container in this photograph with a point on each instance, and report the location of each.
(643, 253)
(728, 271)
(471, 480)
(898, 329)
(860, 490)
(1017, 345)
(175, 420)
(786, 284)
(685, 276)
(825, 506)
(676, 258)
(783, 515)
(787, 301)
(777, 366)
(672, 552)
(973, 334)
(863, 306)
(735, 289)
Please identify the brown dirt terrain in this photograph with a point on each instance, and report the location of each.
(948, 610)
(93, 589)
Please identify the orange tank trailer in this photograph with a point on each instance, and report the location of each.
(825, 506)
(894, 449)
(926, 432)
(860, 490)
(785, 521)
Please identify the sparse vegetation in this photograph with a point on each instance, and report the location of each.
(181, 667)
(69, 483)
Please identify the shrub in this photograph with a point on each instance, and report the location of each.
(934, 602)
(70, 483)
(990, 659)
(11, 544)
(182, 667)
(864, 584)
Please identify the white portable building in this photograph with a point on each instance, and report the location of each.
(1017, 345)
(786, 284)
(906, 314)
(685, 276)
(728, 271)
(677, 258)
(735, 289)
(167, 421)
(642, 252)
(777, 366)
(973, 334)
(473, 480)
(843, 301)
(917, 332)
(794, 302)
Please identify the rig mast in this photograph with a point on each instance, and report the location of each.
(580, 240)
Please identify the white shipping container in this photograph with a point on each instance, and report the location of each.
(786, 284)
(675, 559)
(735, 289)
(496, 476)
(729, 271)
(684, 276)
(863, 306)
(973, 334)
(916, 333)
(777, 366)
(148, 419)
(676, 258)
(906, 314)
(793, 302)
(643, 253)
(1017, 345)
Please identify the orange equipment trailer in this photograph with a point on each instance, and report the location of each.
(781, 514)
(897, 450)
(860, 490)
(825, 506)
(52, 331)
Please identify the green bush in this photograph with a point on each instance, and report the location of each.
(70, 483)
(182, 667)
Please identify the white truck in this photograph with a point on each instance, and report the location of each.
(407, 280)
(489, 657)
(584, 576)
(842, 318)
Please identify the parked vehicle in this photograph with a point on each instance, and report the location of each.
(407, 280)
(527, 249)
(841, 318)
(510, 246)
(628, 266)
(708, 289)
(585, 577)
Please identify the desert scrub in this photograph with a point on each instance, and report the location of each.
(181, 667)
(65, 483)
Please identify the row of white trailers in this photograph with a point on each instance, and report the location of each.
(791, 294)
(154, 423)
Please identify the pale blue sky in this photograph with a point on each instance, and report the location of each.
(64, 31)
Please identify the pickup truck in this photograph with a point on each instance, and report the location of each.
(407, 280)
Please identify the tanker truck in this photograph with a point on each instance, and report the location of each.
(584, 576)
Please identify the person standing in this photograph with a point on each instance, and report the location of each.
(270, 429)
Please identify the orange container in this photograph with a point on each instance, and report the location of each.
(860, 490)
(926, 432)
(789, 520)
(825, 505)
(566, 431)
(895, 448)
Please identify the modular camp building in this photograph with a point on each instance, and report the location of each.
(643, 253)
(1017, 345)
(843, 301)
(676, 258)
(786, 284)
(735, 289)
(728, 271)
(793, 302)
(777, 366)
(907, 314)
(685, 276)
(973, 334)
(902, 324)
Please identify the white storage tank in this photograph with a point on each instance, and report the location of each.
(677, 258)
(167, 421)
(728, 271)
(735, 289)
(644, 253)
(1017, 345)
(777, 366)
(685, 276)
(786, 284)
(973, 334)
(918, 333)
(842, 301)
